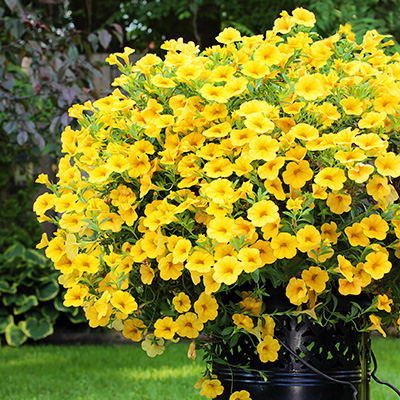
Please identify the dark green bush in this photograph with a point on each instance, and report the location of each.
(30, 297)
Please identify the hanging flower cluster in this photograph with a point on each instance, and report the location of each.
(265, 161)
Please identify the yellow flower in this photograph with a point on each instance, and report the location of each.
(251, 304)
(228, 35)
(55, 249)
(243, 321)
(44, 241)
(255, 69)
(259, 123)
(220, 229)
(284, 245)
(240, 395)
(332, 178)
(218, 131)
(263, 148)
(200, 261)
(351, 105)
(211, 388)
(352, 287)
(268, 349)
(110, 221)
(189, 325)
(309, 88)
(376, 324)
(153, 345)
(296, 291)
(304, 131)
(266, 325)
(356, 235)
(297, 174)
(44, 203)
(315, 278)
(214, 93)
(270, 169)
(374, 227)
(146, 274)
(384, 303)
(169, 269)
(304, 17)
(339, 203)
(284, 24)
(206, 307)
(329, 231)
(377, 264)
(215, 111)
(181, 250)
(250, 259)
(263, 212)
(165, 328)
(124, 302)
(378, 187)
(181, 302)
(134, 329)
(360, 172)
(227, 270)
(236, 86)
(308, 238)
(218, 168)
(372, 120)
(388, 165)
(75, 296)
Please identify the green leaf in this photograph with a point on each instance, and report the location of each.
(59, 306)
(6, 288)
(227, 331)
(14, 335)
(9, 299)
(36, 329)
(16, 250)
(36, 257)
(49, 312)
(79, 318)
(48, 291)
(5, 322)
(26, 304)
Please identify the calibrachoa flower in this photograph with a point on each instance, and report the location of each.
(206, 178)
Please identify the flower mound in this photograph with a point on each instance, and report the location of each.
(266, 160)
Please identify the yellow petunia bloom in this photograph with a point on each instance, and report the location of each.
(309, 88)
(284, 245)
(165, 328)
(297, 174)
(374, 227)
(339, 203)
(356, 235)
(333, 178)
(263, 212)
(243, 322)
(377, 264)
(308, 238)
(296, 291)
(189, 325)
(315, 278)
(227, 270)
(268, 349)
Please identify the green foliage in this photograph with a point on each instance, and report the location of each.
(30, 297)
(362, 15)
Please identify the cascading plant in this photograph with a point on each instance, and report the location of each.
(205, 177)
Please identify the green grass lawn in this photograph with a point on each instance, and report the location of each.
(126, 373)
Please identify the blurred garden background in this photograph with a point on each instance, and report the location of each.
(52, 56)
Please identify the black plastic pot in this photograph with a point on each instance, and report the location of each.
(315, 362)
